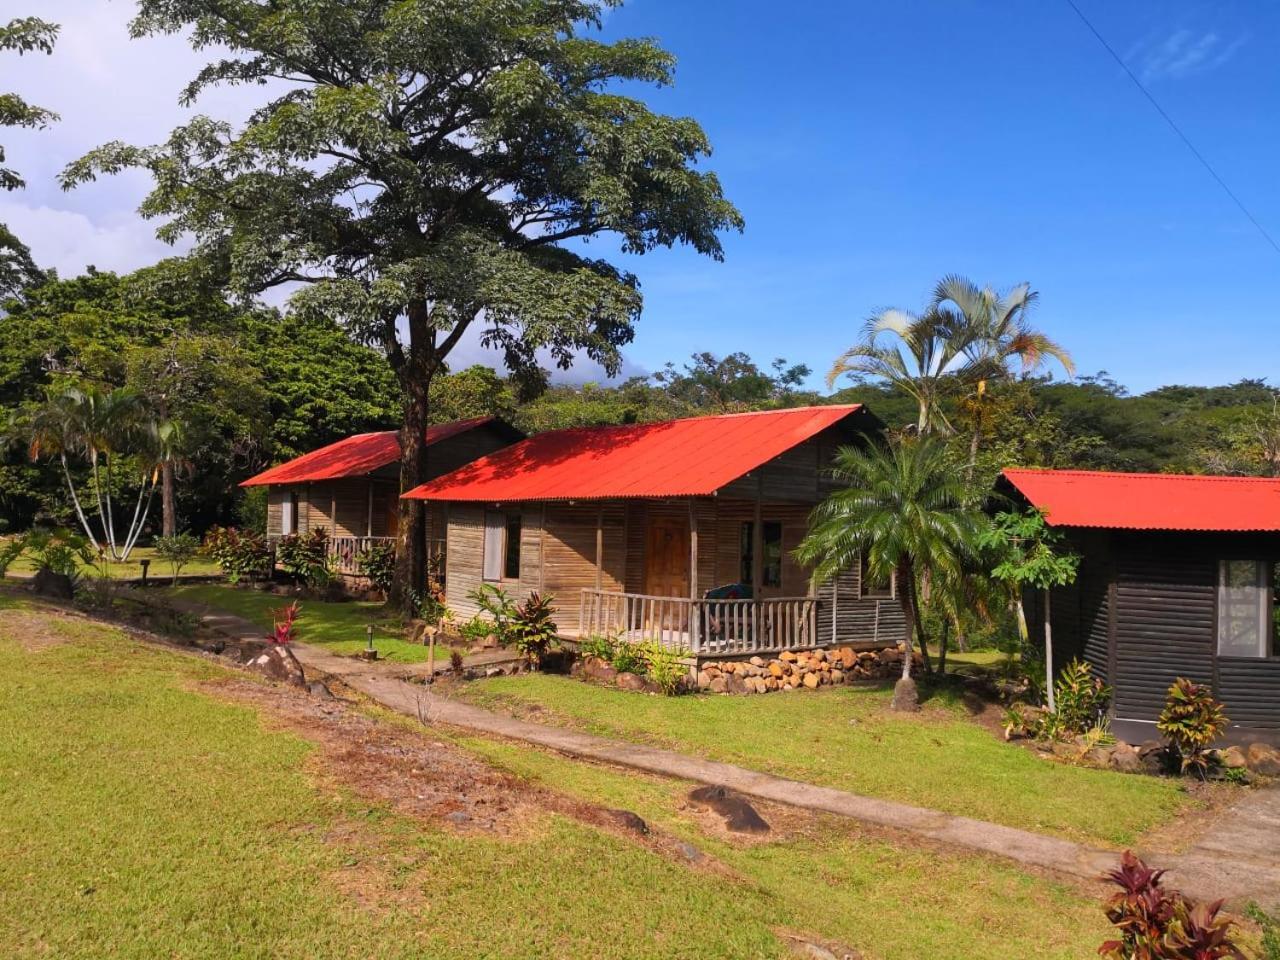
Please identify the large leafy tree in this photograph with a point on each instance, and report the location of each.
(20, 35)
(904, 511)
(425, 168)
(731, 383)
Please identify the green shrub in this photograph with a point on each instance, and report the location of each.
(1191, 720)
(663, 666)
(177, 551)
(627, 658)
(306, 557)
(237, 553)
(532, 630)
(497, 603)
(1269, 924)
(476, 630)
(1080, 699)
(600, 647)
(377, 561)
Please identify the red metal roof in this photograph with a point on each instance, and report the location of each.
(354, 456)
(677, 458)
(1150, 501)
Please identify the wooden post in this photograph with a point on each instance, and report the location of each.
(1048, 650)
(693, 551)
(600, 547)
(368, 513)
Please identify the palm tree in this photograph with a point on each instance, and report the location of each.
(102, 427)
(905, 510)
(998, 333)
(916, 353)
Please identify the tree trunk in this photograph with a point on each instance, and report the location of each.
(973, 452)
(411, 533)
(905, 695)
(169, 512)
(1048, 652)
(922, 637)
(942, 648)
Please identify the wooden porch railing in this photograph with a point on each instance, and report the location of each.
(702, 627)
(346, 551)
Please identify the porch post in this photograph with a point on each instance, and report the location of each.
(693, 551)
(368, 510)
(600, 546)
(757, 542)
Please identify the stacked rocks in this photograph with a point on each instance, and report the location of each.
(794, 670)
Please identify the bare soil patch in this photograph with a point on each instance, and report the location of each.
(36, 630)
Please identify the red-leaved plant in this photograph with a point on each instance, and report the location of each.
(1157, 923)
(284, 618)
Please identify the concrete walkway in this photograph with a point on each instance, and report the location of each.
(1238, 860)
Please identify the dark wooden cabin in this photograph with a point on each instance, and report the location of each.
(351, 488)
(1177, 578)
(680, 531)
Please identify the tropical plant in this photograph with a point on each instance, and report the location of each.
(498, 605)
(377, 561)
(177, 551)
(238, 553)
(629, 658)
(103, 427)
(532, 630)
(56, 549)
(1191, 721)
(1157, 923)
(905, 511)
(1026, 553)
(1081, 699)
(998, 332)
(306, 557)
(665, 667)
(598, 646)
(283, 621)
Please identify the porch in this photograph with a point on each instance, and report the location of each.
(702, 627)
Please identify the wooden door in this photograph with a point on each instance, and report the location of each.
(666, 558)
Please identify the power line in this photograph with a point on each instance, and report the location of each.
(1173, 126)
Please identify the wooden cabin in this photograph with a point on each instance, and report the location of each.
(352, 488)
(1177, 579)
(680, 531)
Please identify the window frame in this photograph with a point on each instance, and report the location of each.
(507, 555)
(888, 592)
(1264, 583)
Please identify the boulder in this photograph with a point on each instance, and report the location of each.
(629, 681)
(756, 661)
(737, 685)
(811, 681)
(628, 821)
(739, 815)
(777, 668)
(46, 583)
(704, 680)
(1125, 759)
(837, 676)
(277, 662)
(599, 670)
(1233, 758)
(787, 656)
(1263, 759)
(719, 685)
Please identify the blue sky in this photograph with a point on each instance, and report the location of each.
(872, 147)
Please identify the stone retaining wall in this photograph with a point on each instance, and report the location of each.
(792, 670)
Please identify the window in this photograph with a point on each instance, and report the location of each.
(289, 514)
(871, 587)
(501, 546)
(1244, 608)
(771, 568)
(511, 559)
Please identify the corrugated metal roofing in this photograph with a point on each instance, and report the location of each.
(1151, 501)
(354, 456)
(677, 458)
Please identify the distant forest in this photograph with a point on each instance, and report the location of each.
(256, 386)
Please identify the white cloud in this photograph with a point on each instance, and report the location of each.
(1182, 53)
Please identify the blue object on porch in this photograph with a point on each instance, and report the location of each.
(730, 591)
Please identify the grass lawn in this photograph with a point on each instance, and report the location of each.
(144, 818)
(846, 737)
(339, 627)
(985, 659)
(159, 569)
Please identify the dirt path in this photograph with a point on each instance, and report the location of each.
(1238, 860)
